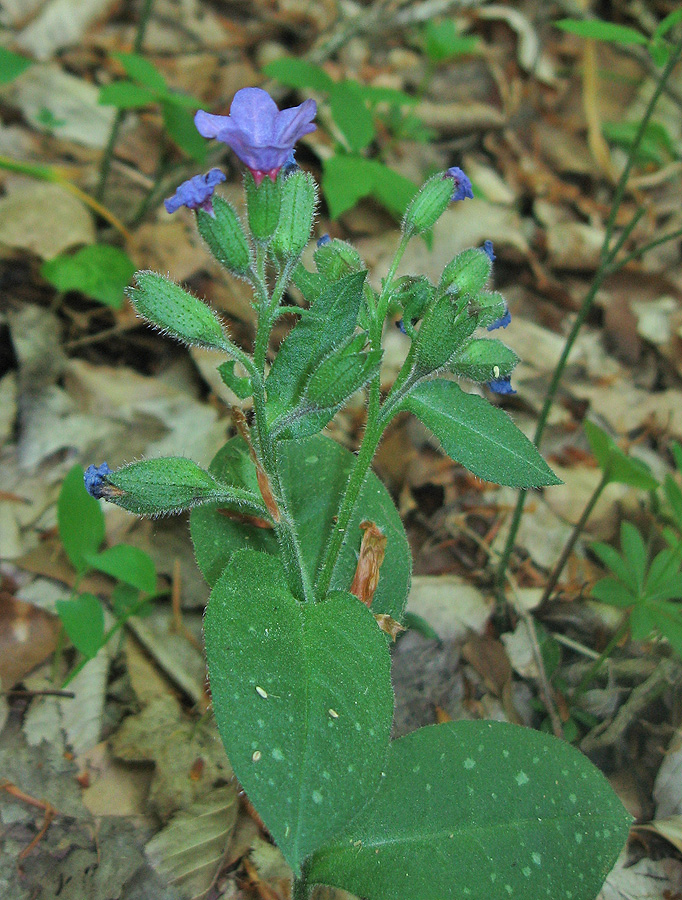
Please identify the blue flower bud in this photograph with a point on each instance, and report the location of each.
(463, 189)
(501, 385)
(502, 322)
(94, 480)
(324, 240)
(195, 193)
(488, 250)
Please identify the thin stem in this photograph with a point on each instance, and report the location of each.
(121, 113)
(598, 664)
(358, 475)
(575, 534)
(605, 268)
(373, 431)
(641, 251)
(632, 155)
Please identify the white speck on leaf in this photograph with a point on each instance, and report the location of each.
(261, 692)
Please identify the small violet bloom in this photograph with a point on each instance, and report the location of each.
(502, 322)
(463, 189)
(94, 480)
(501, 385)
(196, 193)
(488, 250)
(324, 240)
(260, 134)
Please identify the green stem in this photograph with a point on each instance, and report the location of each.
(605, 269)
(575, 534)
(373, 431)
(121, 113)
(641, 251)
(598, 664)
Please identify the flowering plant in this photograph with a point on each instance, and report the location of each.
(309, 564)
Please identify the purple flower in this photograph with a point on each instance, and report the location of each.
(195, 193)
(261, 135)
(501, 385)
(502, 322)
(488, 250)
(94, 480)
(463, 189)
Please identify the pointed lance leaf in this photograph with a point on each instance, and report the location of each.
(479, 435)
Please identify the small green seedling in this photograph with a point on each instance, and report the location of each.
(146, 86)
(355, 109)
(82, 530)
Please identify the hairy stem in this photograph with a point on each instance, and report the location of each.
(606, 268)
(373, 431)
(121, 113)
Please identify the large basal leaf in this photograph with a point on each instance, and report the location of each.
(313, 474)
(484, 811)
(302, 698)
(479, 435)
(331, 320)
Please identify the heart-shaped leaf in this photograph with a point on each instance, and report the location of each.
(313, 473)
(484, 811)
(303, 700)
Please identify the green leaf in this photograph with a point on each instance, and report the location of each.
(375, 94)
(667, 618)
(83, 621)
(126, 95)
(351, 115)
(332, 319)
(634, 552)
(673, 495)
(483, 810)
(176, 312)
(179, 123)
(299, 74)
(443, 41)
(98, 271)
(241, 386)
(12, 65)
(622, 469)
(345, 181)
(479, 436)
(392, 189)
(665, 25)
(599, 30)
(125, 600)
(128, 564)
(314, 473)
(483, 360)
(614, 561)
(154, 487)
(79, 518)
(330, 386)
(614, 592)
(306, 730)
(142, 71)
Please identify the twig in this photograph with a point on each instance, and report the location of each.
(50, 812)
(666, 675)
